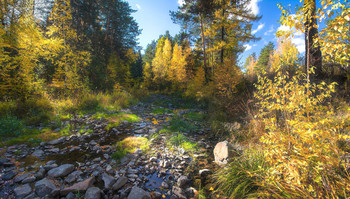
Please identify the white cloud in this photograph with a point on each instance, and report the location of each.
(260, 26)
(138, 6)
(253, 6)
(247, 47)
(180, 2)
(299, 42)
(271, 30)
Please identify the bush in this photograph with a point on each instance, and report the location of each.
(10, 126)
(34, 111)
(301, 139)
(88, 103)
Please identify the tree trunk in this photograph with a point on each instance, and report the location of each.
(206, 69)
(222, 38)
(313, 55)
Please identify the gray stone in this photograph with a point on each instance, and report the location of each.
(61, 171)
(9, 175)
(93, 193)
(44, 187)
(29, 179)
(70, 196)
(57, 141)
(157, 195)
(108, 180)
(73, 176)
(222, 152)
(120, 183)
(204, 172)
(38, 153)
(79, 187)
(182, 181)
(138, 193)
(40, 174)
(22, 191)
(19, 178)
(165, 185)
(179, 192)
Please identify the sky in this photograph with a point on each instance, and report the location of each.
(154, 19)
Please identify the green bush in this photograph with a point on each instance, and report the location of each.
(88, 103)
(10, 126)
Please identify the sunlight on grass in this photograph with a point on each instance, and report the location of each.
(129, 145)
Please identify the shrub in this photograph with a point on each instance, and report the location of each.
(34, 111)
(88, 102)
(301, 137)
(10, 126)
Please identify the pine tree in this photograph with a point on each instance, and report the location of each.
(264, 57)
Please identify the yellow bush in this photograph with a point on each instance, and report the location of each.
(301, 138)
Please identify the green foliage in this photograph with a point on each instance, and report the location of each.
(264, 57)
(178, 124)
(199, 116)
(243, 177)
(10, 127)
(181, 140)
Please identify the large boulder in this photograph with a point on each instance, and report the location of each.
(222, 152)
(44, 187)
(61, 171)
(78, 187)
(138, 193)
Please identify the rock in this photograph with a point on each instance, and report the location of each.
(221, 152)
(93, 193)
(44, 187)
(204, 172)
(179, 192)
(22, 191)
(29, 179)
(157, 195)
(120, 183)
(9, 175)
(73, 176)
(38, 153)
(19, 178)
(109, 169)
(153, 159)
(165, 185)
(40, 174)
(182, 181)
(4, 160)
(93, 142)
(70, 195)
(78, 187)
(57, 141)
(108, 180)
(61, 171)
(138, 193)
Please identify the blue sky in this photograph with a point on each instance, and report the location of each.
(154, 19)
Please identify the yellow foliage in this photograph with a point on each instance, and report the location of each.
(301, 136)
(177, 69)
(285, 57)
(227, 77)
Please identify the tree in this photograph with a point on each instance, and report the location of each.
(285, 58)
(264, 57)
(305, 20)
(69, 61)
(192, 16)
(162, 60)
(177, 69)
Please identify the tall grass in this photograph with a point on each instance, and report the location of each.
(243, 177)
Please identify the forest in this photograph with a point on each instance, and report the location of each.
(85, 112)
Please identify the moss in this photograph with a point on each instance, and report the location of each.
(129, 145)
